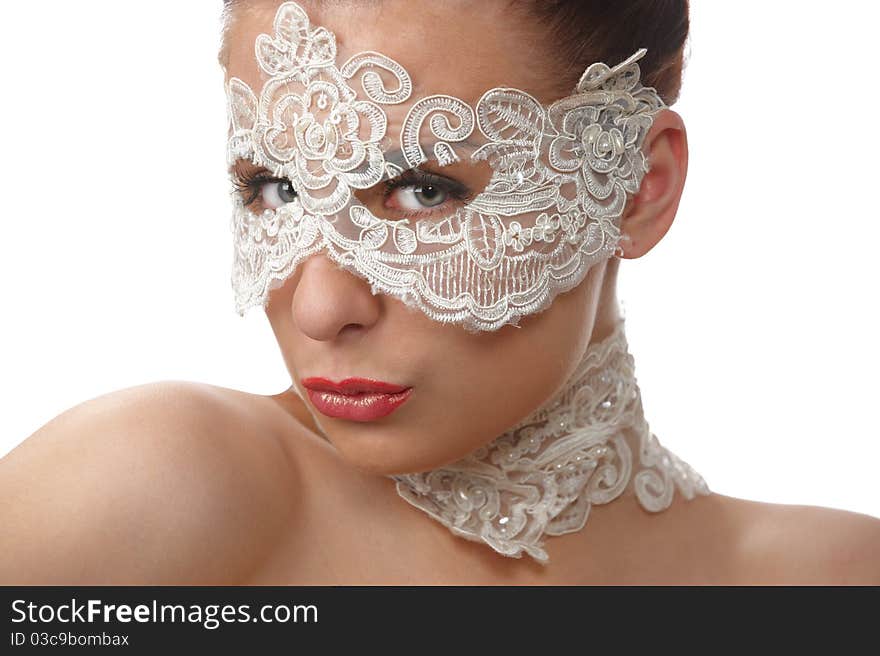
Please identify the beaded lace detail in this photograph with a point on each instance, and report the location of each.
(543, 475)
(560, 178)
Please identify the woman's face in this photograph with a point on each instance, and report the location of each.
(467, 388)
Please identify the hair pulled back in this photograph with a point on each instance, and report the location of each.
(577, 33)
(580, 32)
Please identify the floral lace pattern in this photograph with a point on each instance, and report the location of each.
(543, 475)
(550, 210)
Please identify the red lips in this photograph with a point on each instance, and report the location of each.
(357, 399)
(352, 386)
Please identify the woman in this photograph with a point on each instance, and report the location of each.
(507, 443)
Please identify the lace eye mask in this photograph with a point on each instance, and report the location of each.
(508, 202)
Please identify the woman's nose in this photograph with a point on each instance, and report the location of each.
(328, 300)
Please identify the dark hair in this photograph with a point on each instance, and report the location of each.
(585, 31)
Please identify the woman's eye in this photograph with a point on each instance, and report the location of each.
(417, 197)
(417, 192)
(276, 193)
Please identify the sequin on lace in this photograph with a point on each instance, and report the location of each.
(560, 178)
(542, 476)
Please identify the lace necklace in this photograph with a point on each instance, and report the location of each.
(542, 476)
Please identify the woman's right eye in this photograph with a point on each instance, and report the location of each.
(271, 192)
(276, 192)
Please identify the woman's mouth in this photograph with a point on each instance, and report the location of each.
(356, 399)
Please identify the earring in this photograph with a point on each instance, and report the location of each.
(618, 250)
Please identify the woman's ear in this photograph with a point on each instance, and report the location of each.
(650, 213)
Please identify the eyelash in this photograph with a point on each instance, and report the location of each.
(252, 184)
(418, 178)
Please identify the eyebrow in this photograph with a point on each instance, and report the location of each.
(396, 156)
(244, 167)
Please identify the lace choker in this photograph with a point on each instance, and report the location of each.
(543, 475)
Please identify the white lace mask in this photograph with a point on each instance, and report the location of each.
(543, 192)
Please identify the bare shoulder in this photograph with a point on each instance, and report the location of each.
(166, 482)
(803, 545)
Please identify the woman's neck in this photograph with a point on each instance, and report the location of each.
(583, 447)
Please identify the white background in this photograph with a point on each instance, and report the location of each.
(754, 323)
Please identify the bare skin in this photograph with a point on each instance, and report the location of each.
(187, 483)
(184, 483)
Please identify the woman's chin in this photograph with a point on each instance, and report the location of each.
(387, 455)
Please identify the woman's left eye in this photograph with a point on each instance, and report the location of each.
(417, 198)
(415, 191)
